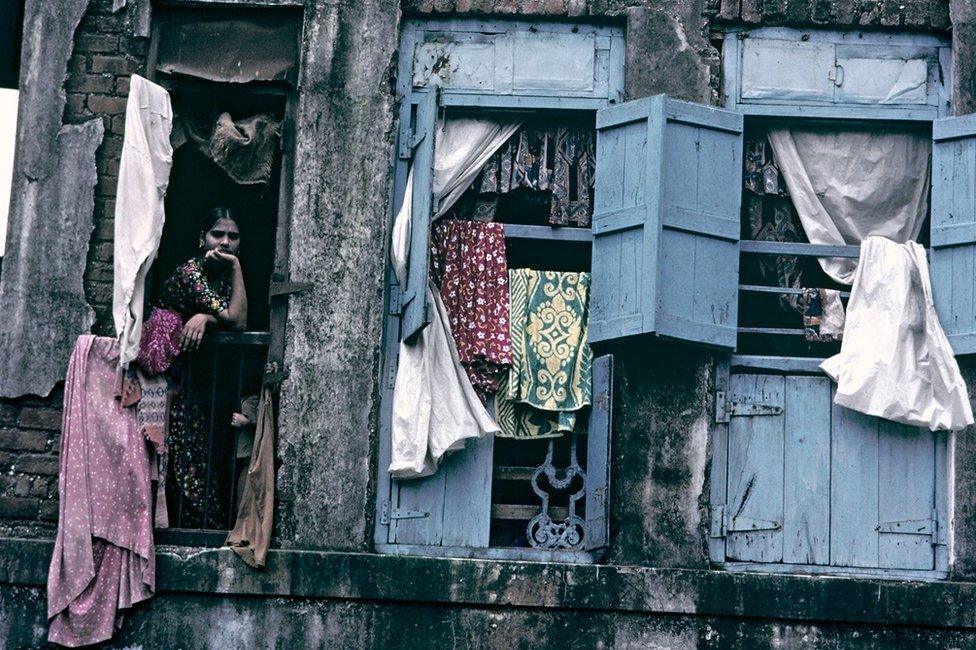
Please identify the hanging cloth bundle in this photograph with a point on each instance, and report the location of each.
(895, 361)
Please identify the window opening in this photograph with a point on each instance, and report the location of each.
(772, 278)
(537, 185)
(208, 455)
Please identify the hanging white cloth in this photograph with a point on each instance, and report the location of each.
(895, 361)
(147, 157)
(463, 148)
(848, 184)
(435, 407)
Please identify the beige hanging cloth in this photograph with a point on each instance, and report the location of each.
(252, 531)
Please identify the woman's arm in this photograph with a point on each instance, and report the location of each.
(235, 316)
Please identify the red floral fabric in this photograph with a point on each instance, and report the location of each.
(469, 267)
(160, 340)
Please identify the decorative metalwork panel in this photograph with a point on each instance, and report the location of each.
(545, 532)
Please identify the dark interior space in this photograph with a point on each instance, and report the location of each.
(11, 32)
(197, 184)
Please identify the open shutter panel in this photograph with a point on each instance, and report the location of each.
(666, 222)
(419, 139)
(598, 456)
(954, 229)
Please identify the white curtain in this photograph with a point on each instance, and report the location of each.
(895, 361)
(463, 148)
(435, 408)
(848, 184)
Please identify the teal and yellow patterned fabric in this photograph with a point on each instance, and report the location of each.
(550, 377)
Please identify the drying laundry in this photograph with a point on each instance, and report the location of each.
(435, 407)
(252, 531)
(468, 265)
(823, 315)
(104, 560)
(160, 342)
(139, 213)
(245, 149)
(551, 356)
(895, 361)
(573, 177)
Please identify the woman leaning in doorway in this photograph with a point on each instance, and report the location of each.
(207, 291)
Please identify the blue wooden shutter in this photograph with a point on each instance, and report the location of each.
(666, 222)
(812, 483)
(450, 508)
(954, 229)
(417, 141)
(598, 456)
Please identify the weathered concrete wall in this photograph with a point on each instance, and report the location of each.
(92, 83)
(338, 238)
(324, 599)
(963, 13)
(50, 218)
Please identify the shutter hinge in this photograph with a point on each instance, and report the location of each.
(391, 376)
(725, 408)
(721, 524)
(928, 527)
(389, 513)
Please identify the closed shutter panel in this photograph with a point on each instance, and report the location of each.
(666, 222)
(598, 456)
(882, 498)
(450, 508)
(954, 229)
(417, 141)
(812, 483)
(787, 70)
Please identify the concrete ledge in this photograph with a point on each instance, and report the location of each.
(371, 577)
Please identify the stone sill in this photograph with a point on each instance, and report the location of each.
(367, 576)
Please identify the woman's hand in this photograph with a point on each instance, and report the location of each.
(220, 258)
(193, 331)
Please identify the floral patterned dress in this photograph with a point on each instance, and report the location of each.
(191, 290)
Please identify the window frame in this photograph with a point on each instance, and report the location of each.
(729, 364)
(279, 285)
(413, 33)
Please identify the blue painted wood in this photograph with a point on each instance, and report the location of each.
(518, 231)
(521, 102)
(798, 248)
(906, 476)
(467, 494)
(806, 475)
(855, 492)
(854, 489)
(598, 456)
(755, 471)
(665, 243)
(718, 484)
(413, 300)
(953, 256)
(818, 73)
(778, 364)
(517, 58)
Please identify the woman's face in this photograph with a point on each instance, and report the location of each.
(223, 236)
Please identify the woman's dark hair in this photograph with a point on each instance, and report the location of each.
(214, 215)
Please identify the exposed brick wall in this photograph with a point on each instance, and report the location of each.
(97, 84)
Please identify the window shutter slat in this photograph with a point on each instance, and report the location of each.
(598, 456)
(413, 299)
(666, 222)
(755, 472)
(954, 229)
